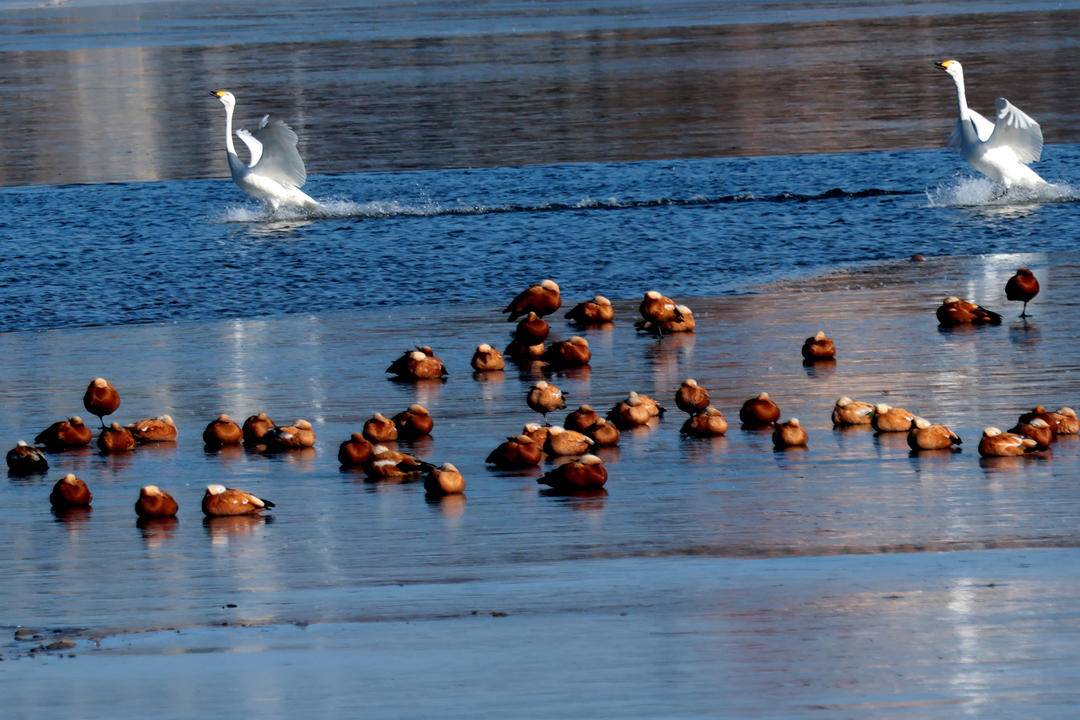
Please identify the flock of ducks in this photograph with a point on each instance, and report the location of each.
(571, 446)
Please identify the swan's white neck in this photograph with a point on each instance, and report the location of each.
(236, 167)
(961, 96)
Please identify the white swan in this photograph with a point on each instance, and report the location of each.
(1001, 150)
(276, 171)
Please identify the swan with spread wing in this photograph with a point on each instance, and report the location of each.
(276, 171)
(1000, 150)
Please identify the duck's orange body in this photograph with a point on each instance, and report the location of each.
(154, 502)
(70, 491)
(65, 435)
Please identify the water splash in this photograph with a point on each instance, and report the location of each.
(381, 209)
(981, 192)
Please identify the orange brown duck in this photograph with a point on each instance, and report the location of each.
(154, 502)
(487, 358)
(116, 438)
(445, 479)
(544, 397)
(154, 430)
(691, 398)
(1022, 287)
(819, 347)
(355, 451)
(26, 460)
(542, 299)
(995, 443)
(598, 311)
(925, 435)
(891, 419)
(586, 473)
(581, 418)
(220, 501)
(574, 352)
(1038, 430)
(65, 435)
(521, 353)
(531, 330)
(537, 432)
(1067, 421)
(759, 412)
(414, 422)
(297, 436)
(562, 442)
(632, 412)
(392, 465)
(848, 412)
(1041, 413)
(418, 364)
(380, 429)
(603, 433)
(954, 311)
(516, 453)
(789, 434)
(101, 399)
(221, 432)
(710, 422)
(70, 491)
(256, 427)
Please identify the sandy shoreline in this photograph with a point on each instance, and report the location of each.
(386, 576)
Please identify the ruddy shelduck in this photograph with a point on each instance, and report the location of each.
(418, 364)
(70, 491)
(789, 434)
(542, 299)
(1022, 287)
(544, 397)
(995, 443)
(487, 358)
(221, 432)
(1038, 430)
(562, 442)
(819, 347)
(413, 422)
(709, 422)
(848, 412)
(635, 411)
(574, 352)
(598, 311)
(154, 430)
(891, 419)
(256, 427)
(581, 418)
(296, 436)
(65, 435)
(954, 311)
(222, 501)
(1068, 423)
(925, 435)
(586, 473)
(115, 438)
(355, 451)
(101, 399)
(380, 429)
(603, 433)
(516, 453)
(445, 479)
(154, 502)
(691, 398)
(531, 329)
(759, 411)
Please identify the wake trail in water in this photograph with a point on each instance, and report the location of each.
(980, 192)
(386, 209)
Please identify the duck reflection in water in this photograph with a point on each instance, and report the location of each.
(223, 529)
(155, 531)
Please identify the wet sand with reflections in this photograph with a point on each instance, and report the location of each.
(711, 578)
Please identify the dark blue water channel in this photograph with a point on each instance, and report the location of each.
(111, 254)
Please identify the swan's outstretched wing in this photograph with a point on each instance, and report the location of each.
(983, 128)
(253, 146)
(1017, 130)
(280, 160)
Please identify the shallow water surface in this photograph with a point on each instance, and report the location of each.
(696, 538)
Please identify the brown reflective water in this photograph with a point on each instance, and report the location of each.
(710, 574)
(96, 94)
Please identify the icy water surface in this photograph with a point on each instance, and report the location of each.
(709, 574)
(188, 250)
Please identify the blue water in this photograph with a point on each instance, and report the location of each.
(189, 250)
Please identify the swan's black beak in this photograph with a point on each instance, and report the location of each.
(938, 65)
(213, 93)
